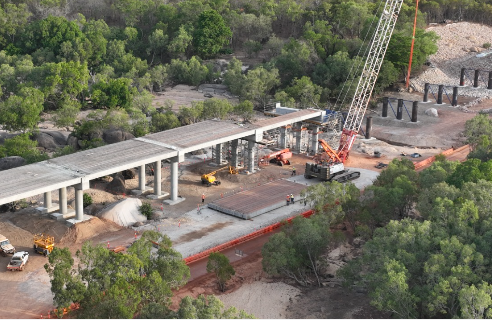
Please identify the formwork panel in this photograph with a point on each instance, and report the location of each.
(251, 203)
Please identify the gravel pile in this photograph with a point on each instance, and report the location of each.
(460, 46)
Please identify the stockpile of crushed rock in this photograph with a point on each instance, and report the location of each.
(460, 46)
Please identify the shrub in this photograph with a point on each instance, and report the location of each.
(486, 45)
(87, 200)
(146, 209)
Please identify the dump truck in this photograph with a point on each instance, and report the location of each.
(6, 246)
(18, 261)
(43, 244)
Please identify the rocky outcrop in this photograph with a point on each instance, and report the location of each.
(116, 135)
(117, 185)
(11, 162)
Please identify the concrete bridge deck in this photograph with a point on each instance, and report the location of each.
(79, 168)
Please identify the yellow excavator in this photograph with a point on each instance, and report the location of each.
(209, 178)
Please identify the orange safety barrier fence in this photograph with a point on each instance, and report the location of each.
(235, 242)
(423, 163)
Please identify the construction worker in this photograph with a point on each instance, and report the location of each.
(288, 199)
(203, 197)
(291, 198)
(293, 171)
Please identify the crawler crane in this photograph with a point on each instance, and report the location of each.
(334, 169)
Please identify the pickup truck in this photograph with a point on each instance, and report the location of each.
(18, 261)
(5, 246)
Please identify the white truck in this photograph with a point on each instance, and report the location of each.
(18, 261)
(6, 246)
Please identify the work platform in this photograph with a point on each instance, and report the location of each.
(259, 200)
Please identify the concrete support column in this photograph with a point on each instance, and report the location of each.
(489, 84)
(47, 200)
(283, 138)
(234, 153)
(426, 92)
(475, 79)
(415, 109)
(462, 77)
(219, 157)
(454, 102)
(314, 141)
(251, 156)
(141, 178)
(368, 127)
(399, 110)
(157, 178)
(62, 194)
(298, 137)
(174, 180)
(440, 91)
(79, 203)
(385, 107)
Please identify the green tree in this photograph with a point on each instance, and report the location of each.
(297, 59)
(191, 72)
(305, 92)
(157, 44)
(22, 112)
(219, 264)
(294, 252)
(192, 114)
(180, 43)
(164, 121)
(216, 108)
(207, 307)
(211, 34)
(244, 109)
(114, 93)
(22, 146)
(258, 84)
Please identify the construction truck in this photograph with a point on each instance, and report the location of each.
(331, 168)
(6, 246)
(18, 261)
(279, 157)
(43, 244)
(209, 178)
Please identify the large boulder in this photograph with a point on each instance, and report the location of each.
(117, 185)
(116, 135)
(73, 142)
(60, 137)
(129, 174)
(11, 162)
(46, 141)
(124, 212)
(432, 112)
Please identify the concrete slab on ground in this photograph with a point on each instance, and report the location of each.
(259, 200)
(194, 233)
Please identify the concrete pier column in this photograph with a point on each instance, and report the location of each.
(462, 77)
(368, 127)
(283, 138)
(475, 79)
(219, 157)
(489, 84)
(385, 107)
(454, 102)
(62, 194)
(426, 92)
(399, 110)
(141, 178)
(314, 141)
(298, 137)
(157, 178)
(174, 180)
(251, 156)
(79, 203)
(234, 153)
(439, 93)
(47, 200)
(415, 109)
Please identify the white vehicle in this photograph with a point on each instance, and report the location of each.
(5, 246)
(18, 261)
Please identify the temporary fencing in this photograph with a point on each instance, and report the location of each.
(419, 165)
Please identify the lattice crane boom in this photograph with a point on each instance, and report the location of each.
(369, 76)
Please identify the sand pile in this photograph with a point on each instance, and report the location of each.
(124, 212)
(88, 229)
